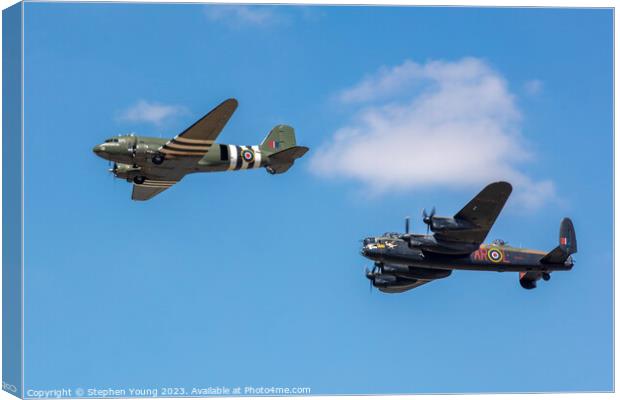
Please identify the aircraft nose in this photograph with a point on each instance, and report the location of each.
(98, 149)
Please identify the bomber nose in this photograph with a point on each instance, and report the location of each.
(98, 149)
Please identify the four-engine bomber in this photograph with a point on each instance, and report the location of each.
(406, 261)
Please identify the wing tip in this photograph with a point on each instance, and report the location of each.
(231, 102)
(502, 186)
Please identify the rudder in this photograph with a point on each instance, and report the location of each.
(567, 246)
(568, 238)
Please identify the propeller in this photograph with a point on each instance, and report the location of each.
(372, 274)
(428, 218)
(407, 225)
(370, 277)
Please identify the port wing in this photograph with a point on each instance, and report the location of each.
(196, 140)
(479, 215)
(150, 188)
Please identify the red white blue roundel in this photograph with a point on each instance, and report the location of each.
(248, 155)
(495, 255)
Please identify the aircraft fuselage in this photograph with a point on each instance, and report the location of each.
(488, 257)
(135, 157)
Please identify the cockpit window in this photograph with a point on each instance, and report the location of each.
(369, 240)
(112, 140)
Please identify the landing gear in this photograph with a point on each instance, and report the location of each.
(546, 276)
(158, 159)
(138, 180)
(271, 170)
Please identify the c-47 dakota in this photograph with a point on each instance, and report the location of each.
(154, 165)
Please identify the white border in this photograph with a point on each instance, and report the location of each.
(480, 3)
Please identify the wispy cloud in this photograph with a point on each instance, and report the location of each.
(151, 112)
(533, 87)
(242, 15)
(449, 124)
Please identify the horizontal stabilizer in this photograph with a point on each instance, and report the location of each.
(555, 256)
(283, 160)
(289, 154)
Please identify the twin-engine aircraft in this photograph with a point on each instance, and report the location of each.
(154, 165)
(406, 261)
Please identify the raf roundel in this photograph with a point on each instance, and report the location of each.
(495, 255)
(248, 155)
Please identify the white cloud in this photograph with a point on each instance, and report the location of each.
(237, 15)
(150, 112)
(438, 124)
(533, 87)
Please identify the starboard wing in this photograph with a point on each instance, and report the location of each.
(478, 215)
(196, 140)
(406, 286)
(150, 188)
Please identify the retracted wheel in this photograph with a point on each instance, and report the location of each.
(546, 276)
(158, 159)
(138, 180)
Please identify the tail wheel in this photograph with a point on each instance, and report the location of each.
(271, 170)
(158, 159)
(138, 180)
(546, 276)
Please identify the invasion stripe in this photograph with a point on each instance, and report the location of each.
(155, 186)
(158, 181)
(257, 156)
(183, 152)
(185, 140)
(239, 159)
(175, 145)
(233, 155)
(155, 183)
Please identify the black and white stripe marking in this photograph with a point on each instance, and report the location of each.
(157, 184)
(237, 162)
(180, 146)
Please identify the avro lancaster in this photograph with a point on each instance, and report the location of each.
(404, 261)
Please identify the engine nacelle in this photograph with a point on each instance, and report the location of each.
(384, 280)
(126, 171)
(442, 224)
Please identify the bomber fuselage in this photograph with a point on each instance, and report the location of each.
(488, 257)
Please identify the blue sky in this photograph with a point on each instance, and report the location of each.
(251, 279)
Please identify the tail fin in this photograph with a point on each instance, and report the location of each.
(568, 244)
(280, 138)
(281, 149)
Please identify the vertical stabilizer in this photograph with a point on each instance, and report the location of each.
(280, 138)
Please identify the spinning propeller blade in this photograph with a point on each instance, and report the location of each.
(370, 277)
(428, 218)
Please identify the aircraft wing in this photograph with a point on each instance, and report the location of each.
(478, 215)
(150, 188)
(197, 139)
(411, 284)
